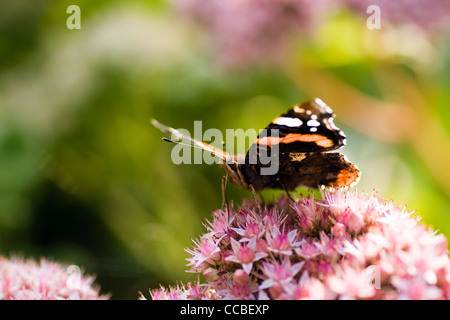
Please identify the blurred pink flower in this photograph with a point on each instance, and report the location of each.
(307, 288)
(28, 280)
(252, 30)
(351, 283)
(354, 246)
(429, 15)
(246, 32)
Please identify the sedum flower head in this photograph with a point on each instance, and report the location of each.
(29, 280)
(343, 246)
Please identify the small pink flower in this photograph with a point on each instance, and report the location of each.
(220, 226)
(206, 253)
(245, 254)
(352, 219)
(330, 248)
(308, 250)
(279, 274)
(251, 228)
(280, 243)
(307, 212)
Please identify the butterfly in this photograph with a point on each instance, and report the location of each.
(297, 143)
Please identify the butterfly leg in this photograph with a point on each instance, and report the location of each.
(257, 197)
(288, 193)
(224, 192)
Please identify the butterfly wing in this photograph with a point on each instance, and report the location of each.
(303, 136)
(313, 170)
(307, 127)
(331, 170)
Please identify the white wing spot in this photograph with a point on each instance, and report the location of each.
(313, 123)
(288, 122)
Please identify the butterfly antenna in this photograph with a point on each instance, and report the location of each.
(183, 144)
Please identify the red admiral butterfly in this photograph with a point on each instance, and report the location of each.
(298, 142)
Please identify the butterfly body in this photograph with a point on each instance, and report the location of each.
(298, 144)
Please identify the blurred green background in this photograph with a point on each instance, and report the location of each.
(85, 179)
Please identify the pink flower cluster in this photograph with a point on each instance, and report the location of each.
(29, 280)
(344, 246)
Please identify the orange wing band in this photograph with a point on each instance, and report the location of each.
(321, 141)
